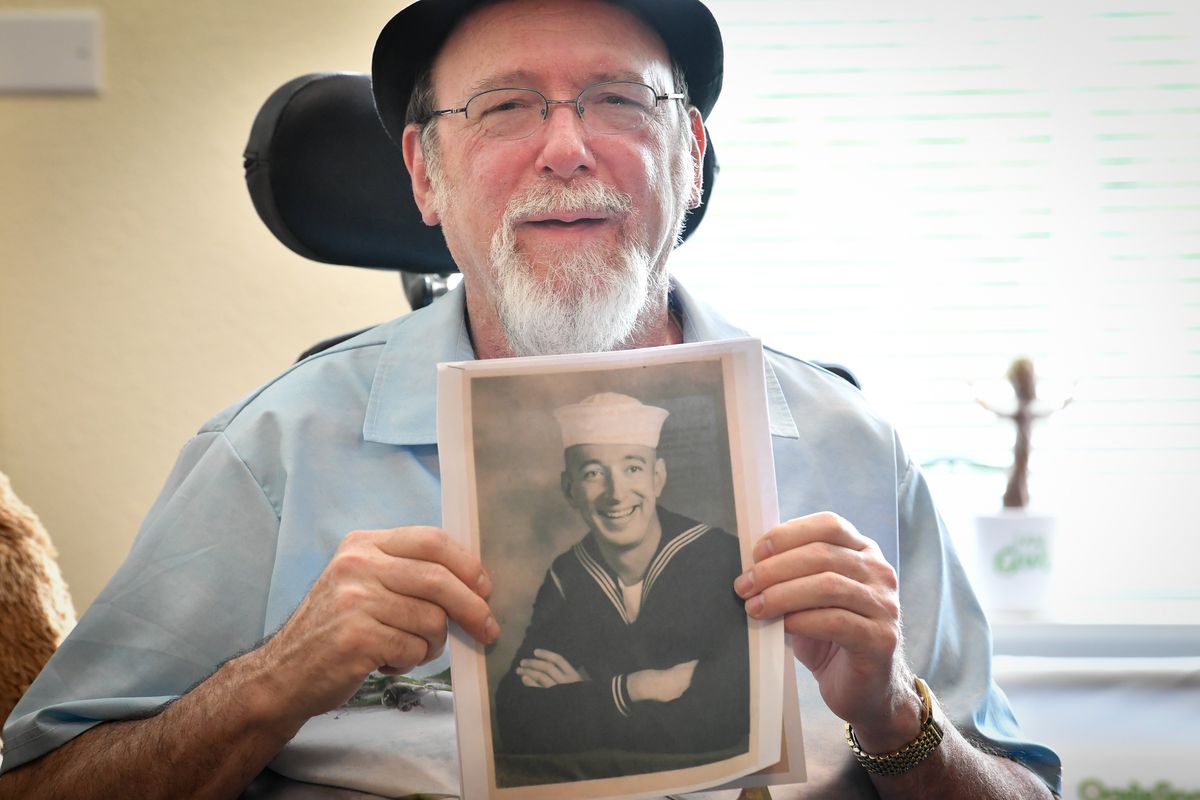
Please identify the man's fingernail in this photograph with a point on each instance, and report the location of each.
(763, 549)
(744, 584)
(754, 606)
(491, 631)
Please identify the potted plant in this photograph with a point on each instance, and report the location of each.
(1015, 545)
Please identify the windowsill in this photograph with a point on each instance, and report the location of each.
(1095, 640)
(1125, 625)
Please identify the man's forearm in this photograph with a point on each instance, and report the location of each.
(211, 743)
(957, 770)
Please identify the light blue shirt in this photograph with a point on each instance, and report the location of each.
(346, 440)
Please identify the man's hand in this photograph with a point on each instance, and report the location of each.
(382, 602)
(547, 669)
(660, 685)
(839, 600)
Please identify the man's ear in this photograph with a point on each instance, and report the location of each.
(699, 145)
(660, 476)
(414, 159)
(565, 482)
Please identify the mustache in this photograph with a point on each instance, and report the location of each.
(550, 196)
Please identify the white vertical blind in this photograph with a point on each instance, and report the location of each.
(925, 190)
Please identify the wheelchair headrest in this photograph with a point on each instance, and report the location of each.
(329, 183)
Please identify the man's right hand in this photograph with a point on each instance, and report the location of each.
(382, 603)
(660, 685)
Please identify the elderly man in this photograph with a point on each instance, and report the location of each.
(270, 577)
(638, 643)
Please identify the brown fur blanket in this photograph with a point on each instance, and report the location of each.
(36, 612)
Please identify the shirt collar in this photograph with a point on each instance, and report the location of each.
(402, 409)
(702, 324)
(403, 404)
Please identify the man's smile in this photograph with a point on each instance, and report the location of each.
(569, 228)
(558, 223)
(581, 222)
(567, 218)
(574, 227)
(619, 514)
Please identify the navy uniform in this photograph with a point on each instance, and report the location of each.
(688, 611)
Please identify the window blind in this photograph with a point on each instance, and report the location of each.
(925, 190)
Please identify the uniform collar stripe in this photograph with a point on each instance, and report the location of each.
(667, 553)
(558, 584)
(602, 579)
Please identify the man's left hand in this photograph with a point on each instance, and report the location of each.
(839, 600)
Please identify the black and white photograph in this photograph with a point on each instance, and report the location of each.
(606, 504)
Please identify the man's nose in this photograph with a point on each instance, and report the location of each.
(565, 151)
(616, 488)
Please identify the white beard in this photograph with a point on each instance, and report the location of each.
(592, 299)
(589, 299)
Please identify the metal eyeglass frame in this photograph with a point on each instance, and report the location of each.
(446, 112)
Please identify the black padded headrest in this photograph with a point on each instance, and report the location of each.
(329, 183)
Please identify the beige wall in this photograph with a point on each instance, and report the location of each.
(139, 293)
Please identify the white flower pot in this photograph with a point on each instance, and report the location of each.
(1014, 561)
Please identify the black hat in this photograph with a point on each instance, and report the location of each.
(412, 38)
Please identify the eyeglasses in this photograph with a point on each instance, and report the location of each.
(610, 107)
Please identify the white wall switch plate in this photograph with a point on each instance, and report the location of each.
(50, 51)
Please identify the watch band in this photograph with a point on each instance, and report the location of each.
(913, 753)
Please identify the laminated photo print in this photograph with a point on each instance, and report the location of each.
(613, 499)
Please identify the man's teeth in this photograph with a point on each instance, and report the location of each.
(619, 514)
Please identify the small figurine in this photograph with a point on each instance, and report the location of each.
(1024, 383)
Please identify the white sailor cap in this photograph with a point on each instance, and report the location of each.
(610, 418)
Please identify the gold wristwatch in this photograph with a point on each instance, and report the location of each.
(913, 753)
